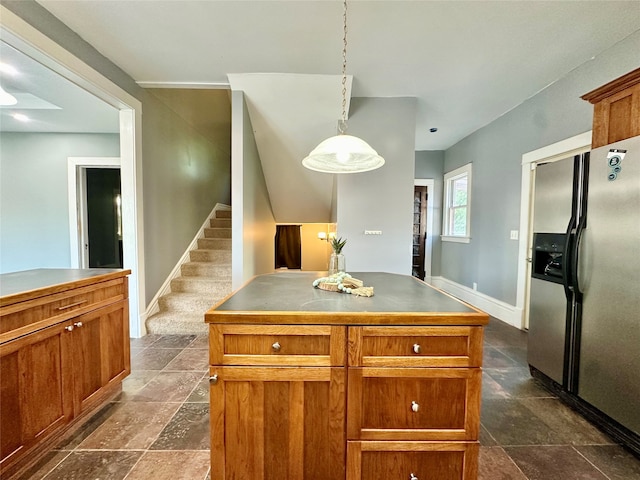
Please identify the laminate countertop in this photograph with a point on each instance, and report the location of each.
(290, 298)
(28, 284)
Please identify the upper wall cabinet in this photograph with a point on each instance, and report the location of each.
(616, 113)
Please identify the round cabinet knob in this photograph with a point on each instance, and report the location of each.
(77, 324)
(276, 347)
(416, 348)
(415, 406)
(68, 328)
(213, 379)
(412, 477)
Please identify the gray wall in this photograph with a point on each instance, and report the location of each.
(381, 199)
(430, 165)
(556, 113)
(184, 175)
(253, 222)
(34, 198)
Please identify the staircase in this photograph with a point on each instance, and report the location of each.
(204, 280)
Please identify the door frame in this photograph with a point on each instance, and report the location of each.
(77, 182)
(30, 41)
(557, 151)
(428, 244)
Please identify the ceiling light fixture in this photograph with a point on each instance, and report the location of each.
(6, 99)
(343, 153)
(21, 117)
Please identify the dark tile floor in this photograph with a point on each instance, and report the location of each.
(158, 427)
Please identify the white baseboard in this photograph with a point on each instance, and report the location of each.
(153, 306)
(496, 308)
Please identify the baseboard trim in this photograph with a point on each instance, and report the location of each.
(496, 308)
(153, 306)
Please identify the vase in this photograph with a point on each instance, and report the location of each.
(337, 263)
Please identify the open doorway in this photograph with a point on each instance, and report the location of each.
(422, 235)
(104, 217)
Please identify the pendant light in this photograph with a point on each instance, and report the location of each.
(343, 153)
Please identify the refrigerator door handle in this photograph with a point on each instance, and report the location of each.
(582, 224)
(567, 260)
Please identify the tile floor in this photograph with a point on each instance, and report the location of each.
(158, 427)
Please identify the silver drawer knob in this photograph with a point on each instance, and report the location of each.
(416, 348)
(276, 347)
(77, 324)
(415, 406)
(412, 477)
(68, 328)
(213, 379)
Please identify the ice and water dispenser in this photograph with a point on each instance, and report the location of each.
(548, 255)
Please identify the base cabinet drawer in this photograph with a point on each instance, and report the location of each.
(412, 461)
(413, 403)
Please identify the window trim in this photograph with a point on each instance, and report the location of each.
(465, 170)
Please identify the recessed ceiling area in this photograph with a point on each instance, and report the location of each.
(51, 103)
(466, 62)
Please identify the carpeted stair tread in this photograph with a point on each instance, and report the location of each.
(172, 323)
(216, 232)
(223, 214)
(200, 285)
(220, 223)
(210, 255)
(187, 302)
(208, 269)
(215, 243)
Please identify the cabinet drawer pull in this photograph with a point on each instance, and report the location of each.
(66, 307)
(416, 348)
(276, 347)
(77, 324)
(69, 328)
(412, 477)
(415, 406)
(213, 379)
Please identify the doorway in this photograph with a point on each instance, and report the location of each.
(104, 217)
(422, 235)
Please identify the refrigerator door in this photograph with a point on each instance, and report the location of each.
(609, 277)
(553, 197)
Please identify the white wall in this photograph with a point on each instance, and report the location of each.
(430, 164)
(253, 224)
(381, 199)
(34, 211)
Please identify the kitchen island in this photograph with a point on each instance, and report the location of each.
(318, 385)
(64, 351)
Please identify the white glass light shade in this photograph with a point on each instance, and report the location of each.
(343, 154)
(6, 98)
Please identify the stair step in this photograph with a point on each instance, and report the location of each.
(217, 232)
(220, 223)
(220, 257)
(192, 303)
(177, 323)
(223, 213)
(207, 269)
(201, 285)
(215, 243)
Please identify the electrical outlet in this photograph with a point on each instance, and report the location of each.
(514, 235)
(475, 286)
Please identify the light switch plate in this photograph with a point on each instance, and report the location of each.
(373, 232)
(514, 235)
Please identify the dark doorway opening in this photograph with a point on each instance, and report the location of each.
(288, 247)
(104, 218)
(420, 198)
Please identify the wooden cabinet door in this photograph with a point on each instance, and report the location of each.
(278, 423)
(412, 460)
(36, 390)
(101, 352)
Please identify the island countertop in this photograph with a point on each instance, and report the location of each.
(290, 298)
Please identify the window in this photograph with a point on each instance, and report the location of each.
(457, 205)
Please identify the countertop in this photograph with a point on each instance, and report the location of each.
(27, 284)
(290, 298)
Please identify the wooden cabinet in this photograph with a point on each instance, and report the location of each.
(616, 113)
(371, 393)
(67, 358)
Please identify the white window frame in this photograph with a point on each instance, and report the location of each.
(449, 178)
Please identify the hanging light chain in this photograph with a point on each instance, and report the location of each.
(343, 123)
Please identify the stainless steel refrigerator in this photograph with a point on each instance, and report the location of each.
(584, 315)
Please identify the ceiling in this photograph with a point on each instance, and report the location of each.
(51, 103)
(466, 62)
